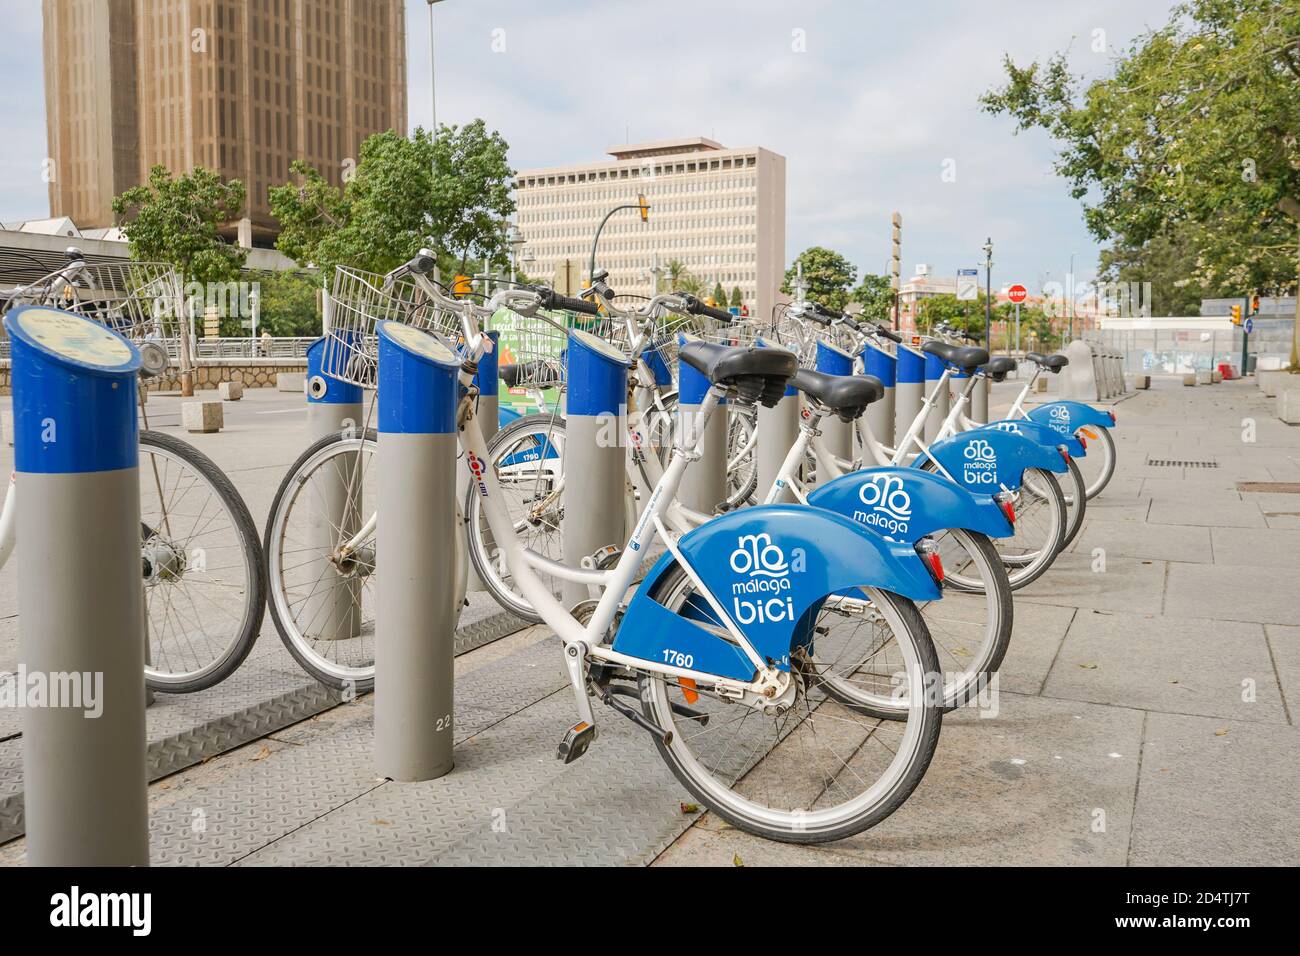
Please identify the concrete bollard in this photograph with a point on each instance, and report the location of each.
(289, 381)
(942, 401)
(1288, 405)
(230, 391)
(81, 607)
(910, 389)
(880, 415)
(416, 606)
(333, 609)
(1141, 381)
(202, 416)
(596, 373)
(1189, 379)
(837, 436)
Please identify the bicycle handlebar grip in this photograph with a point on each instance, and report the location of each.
(889, 334)
(696, 307)
(553, 300)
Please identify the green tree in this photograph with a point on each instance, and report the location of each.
(395, 203)
(1161, 262)
(1194, 135)
(737, 300)
(876, 298)
(932, 310)
(288, 304)
(719, 297)
(828, 274)
(178, 220)
(676, 271)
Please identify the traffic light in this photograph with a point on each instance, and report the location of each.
(463, 285)
(643, 207)
(1254, 305)
(1236, 315)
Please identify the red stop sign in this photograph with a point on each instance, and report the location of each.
(1017, 293)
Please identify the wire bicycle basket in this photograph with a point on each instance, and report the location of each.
(357, 302)
(143, 301)
(532, 350)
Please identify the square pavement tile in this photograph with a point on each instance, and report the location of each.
(1169, 664)
(1266, 595)
(1126, 584)
(1022, 788)
(1161, 542)
(1217, 793)
(1217, 509)
(1254, 547)
(1036, 638)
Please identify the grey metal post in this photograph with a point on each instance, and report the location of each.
(416, 603)
(704, 485)
(332, 611)
(910, 389)
(880, 415)
(80, 604)
(837, 436)
(979, 401)
(778, 427)
(594, 483)
(942, 401)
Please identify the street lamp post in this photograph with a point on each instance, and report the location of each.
(1069, 282)
(253, 301)
(433, 86)
(515, 238)
(639, 204)
(988, 293)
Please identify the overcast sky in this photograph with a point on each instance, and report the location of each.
(869, 102)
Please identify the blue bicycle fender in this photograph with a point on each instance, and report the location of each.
(1068, 417)
(654, 360)
(770, 567)
(1040, 433)
(985, 462)
(906, 504)
(506, 414)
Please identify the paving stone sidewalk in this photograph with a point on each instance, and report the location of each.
(1145, 713)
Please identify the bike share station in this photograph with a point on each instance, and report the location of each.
(437, 766)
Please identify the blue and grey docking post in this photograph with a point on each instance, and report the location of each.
(416, 605)
(704, 484)
(778, 427)
(80, 600)
(910, 390)
(880, 415)
(594, 457)
(942, 399)
(333, 610)
(837, 436)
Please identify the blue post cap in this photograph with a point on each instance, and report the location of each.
(763, 343)
(691, 385)
(596, 375)
(418, 386)
(323, 388)
(74, 385)
(486, 378)
(876, 361)
(933, 367)
(911, 366)
(832, 360)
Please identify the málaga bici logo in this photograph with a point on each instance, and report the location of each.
(981, 464)
(762, 593)
(889, 504)
(1060, 416)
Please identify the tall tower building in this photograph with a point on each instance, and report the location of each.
(719, 211)
(242, 88)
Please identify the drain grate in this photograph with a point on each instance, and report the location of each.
(1175, 463)
(1270, 487)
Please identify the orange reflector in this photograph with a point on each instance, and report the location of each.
(688, 690)
(1090, 434)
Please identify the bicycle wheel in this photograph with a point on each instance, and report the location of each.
(322, 597)
(810, 769)
(1074, 487)
(971, 625)
(742, 463)
(204, 583)
(1098, 466)
(1039, 506)
(528, 455)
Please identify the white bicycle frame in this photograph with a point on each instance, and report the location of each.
(582, 642)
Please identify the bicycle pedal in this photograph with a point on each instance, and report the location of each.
(576, 741)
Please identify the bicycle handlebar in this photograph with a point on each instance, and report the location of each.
(888, 334)
(553, 300)
(695, 307)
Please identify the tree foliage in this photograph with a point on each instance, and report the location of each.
(451, 195)
(1193, 139)
(178, 220)
(828, 275)
(876, 298)
(288, 304)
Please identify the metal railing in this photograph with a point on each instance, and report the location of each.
(226, 348)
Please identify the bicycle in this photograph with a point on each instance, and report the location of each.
(201, 561)
(749, 628)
